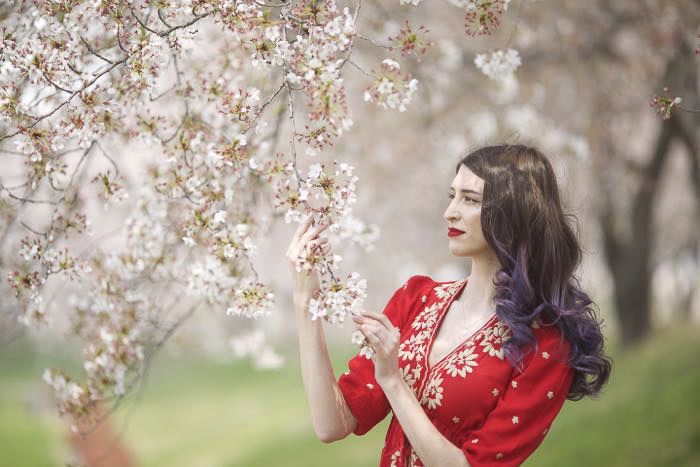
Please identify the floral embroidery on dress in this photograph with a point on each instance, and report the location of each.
(395, 457)
(413, 347)
(445, 291)
(411, 376)
(495, 335)
(432, 394)
(414, 460)
(461, 363)
(427, 318)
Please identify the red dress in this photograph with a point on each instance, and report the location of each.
(473, 396)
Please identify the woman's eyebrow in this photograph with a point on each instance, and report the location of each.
(465, 190)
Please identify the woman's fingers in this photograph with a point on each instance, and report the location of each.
(381, 317)
(374, 336)
(294, 244)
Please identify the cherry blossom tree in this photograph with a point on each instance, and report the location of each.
(150, 148)
(195, 123)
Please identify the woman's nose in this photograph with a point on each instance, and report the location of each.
(449, 214)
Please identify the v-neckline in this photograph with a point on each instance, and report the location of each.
(441, 317)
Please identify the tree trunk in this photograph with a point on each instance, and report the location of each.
(630, 260)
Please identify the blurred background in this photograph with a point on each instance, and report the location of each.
(630, 178)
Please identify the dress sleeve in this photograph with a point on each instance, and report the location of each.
(526, 409)
(359, 387)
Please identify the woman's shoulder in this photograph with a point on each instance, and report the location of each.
(550, 338)
(418, 282)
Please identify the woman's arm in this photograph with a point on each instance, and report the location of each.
(430, 445)
(330, 414)
(331, 417)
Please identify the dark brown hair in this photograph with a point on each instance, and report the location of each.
(523, 222)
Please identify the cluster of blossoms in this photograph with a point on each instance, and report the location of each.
(664, 104)
(499, 64)
(336, 299)
(482, 17)
(391, 89)
(111, 190)
(315, 63)
(359, 339)
(411, 41)
(72, 81)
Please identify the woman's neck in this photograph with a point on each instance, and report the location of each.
(479, 291)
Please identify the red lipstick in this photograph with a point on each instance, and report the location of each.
(452, 232)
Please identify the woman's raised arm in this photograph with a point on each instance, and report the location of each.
(331, 417)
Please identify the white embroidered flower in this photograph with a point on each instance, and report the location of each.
(545, 355)
(488, 347)
(395, 457)
(428, 317)
(515, 419)
(462, 363)
(447, 290)
(413, 346)
(410, 375)
(514, 383)
(495, 392)
(432, 395)
(550, 394)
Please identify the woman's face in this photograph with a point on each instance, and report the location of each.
(464, 214)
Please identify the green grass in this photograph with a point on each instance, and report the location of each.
(195, 413)
(648, 415)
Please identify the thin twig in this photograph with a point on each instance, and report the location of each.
(162, 20)
(361, 69)
(35, 232)
(372, 41)
(262, 108)
(93, 51)
(27, 200)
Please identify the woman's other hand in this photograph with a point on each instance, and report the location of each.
(384, 338)
(306, 242)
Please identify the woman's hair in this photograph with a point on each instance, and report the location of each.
(523, 222)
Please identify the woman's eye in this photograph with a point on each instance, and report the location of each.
(450, 196)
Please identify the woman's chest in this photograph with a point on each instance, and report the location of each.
(451, 378)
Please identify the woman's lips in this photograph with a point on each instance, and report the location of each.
(452, 232)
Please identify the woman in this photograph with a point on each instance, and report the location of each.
(474, 370)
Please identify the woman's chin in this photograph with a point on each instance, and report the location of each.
(458, 250)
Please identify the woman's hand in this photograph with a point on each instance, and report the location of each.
(384, 338)
(305, 243)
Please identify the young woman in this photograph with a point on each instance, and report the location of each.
(474, 370)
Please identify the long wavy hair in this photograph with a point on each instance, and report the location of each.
(523, 222)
